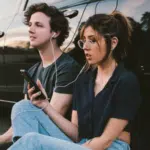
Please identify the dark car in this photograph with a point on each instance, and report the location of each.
(16, 54)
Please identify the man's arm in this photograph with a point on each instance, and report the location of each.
(56, 110)
(25, 96)
(56, 114)
(7, 136)
(61, 102)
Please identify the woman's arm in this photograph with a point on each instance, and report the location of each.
(69, 128)
(112, 130)
(56, 113)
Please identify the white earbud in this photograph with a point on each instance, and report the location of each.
(53, 35)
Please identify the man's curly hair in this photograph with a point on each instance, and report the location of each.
(58, 21)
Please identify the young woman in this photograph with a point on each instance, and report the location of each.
(106, 95)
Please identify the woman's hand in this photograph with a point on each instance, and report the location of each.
(41, 103)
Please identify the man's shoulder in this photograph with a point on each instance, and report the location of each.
(67, 62)
(33, 67)
(85, 76)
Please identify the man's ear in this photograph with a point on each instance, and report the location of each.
(55, 34)
(114, 42)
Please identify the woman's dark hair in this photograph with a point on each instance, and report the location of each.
(112, 25)
(58, 22)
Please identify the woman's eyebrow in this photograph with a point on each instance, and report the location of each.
(89, 36)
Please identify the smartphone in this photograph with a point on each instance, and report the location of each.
(29, 79)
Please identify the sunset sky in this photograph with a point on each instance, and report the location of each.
(16, 29)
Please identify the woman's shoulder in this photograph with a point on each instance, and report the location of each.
(129, 77)
(127, 74)
(86, 75)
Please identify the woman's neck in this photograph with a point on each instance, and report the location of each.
(107, 68)
(104, 73)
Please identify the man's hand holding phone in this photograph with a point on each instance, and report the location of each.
(34, 96)
(36, 92)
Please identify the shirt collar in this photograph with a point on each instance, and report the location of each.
(116, 74)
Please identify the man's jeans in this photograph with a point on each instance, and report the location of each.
(38, 132)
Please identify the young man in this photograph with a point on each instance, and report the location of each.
(48, 28)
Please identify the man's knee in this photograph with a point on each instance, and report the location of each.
(20, 107)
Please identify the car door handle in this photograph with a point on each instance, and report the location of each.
(70, 13)
(2, 34)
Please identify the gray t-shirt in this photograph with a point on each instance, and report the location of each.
(67, 71)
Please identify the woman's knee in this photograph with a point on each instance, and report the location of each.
(31, 136)
(30, 140)
(118, 145)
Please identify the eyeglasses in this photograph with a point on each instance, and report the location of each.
(89, 43)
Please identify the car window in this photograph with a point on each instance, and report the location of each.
(8, 12)
(8, 7)
(84, 12)
(34, 1)
(62, 3)
(17, 33)
(85, 9)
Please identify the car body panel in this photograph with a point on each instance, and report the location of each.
(16, 54)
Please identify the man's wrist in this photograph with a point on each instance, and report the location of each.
(47, 108)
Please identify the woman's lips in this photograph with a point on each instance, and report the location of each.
(88, 56)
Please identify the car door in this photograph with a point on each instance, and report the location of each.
(5, 19)
(85, 9)
(15, 43)
(15, 51)
(77, 12)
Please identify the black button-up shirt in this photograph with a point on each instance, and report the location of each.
(120, 98)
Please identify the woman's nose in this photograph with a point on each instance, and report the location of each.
(86, 46)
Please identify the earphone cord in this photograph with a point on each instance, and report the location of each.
(41, 109)
(57, 70)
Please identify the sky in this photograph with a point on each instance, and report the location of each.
(133, 8)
